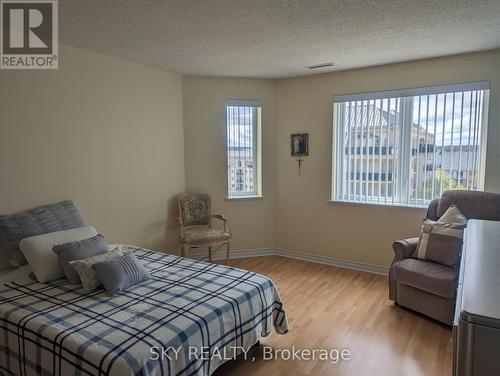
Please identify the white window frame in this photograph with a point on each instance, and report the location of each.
(403, 161)
(256, 148)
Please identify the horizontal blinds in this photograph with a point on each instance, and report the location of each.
(408, 150)
(440, 89)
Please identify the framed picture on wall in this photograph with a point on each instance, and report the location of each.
(299, 144)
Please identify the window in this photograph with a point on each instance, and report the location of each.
(243, 128)
(405, 147)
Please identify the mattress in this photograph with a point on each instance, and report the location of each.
(179, 322)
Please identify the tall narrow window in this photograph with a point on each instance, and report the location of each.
(406, 147)
(243, 129)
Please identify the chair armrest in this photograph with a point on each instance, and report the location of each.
(224, 219)
(220, 216)
(181, 228)
(404, 249)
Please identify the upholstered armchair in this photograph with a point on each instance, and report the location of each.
(196, 231)
(428, 287)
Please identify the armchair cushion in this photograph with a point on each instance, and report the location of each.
(205, 235)
(425, 275)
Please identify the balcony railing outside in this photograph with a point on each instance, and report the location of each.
(369, 150)
(371, 176)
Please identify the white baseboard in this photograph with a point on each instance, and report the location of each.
(298, 255)
(333, 261)
(235, 253)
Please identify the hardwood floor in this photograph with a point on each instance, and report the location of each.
(334, 308)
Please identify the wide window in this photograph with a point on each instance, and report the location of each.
(243, 128)
(405, 147)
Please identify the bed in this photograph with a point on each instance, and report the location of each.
(188, 319)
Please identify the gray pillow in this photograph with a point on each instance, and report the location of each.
(120, 274)
(86, 273)
(50, 218)
(78, 250)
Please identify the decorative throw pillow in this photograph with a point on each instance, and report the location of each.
(120, 274)
(42, 259)
(46, 219)
(78, 250)
(86, 272)
(453, 215)
(440, 242)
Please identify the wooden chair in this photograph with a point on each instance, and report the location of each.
(195, 221)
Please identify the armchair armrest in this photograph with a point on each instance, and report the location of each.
(181, 228)
(404, 249)
(220, 216)
(224, 219)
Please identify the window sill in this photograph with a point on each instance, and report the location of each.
(378, 205)
(243, 198)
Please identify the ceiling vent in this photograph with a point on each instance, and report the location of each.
(322, 65)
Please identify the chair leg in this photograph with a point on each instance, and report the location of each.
(209, 254)
(183, 250)
(228, 252)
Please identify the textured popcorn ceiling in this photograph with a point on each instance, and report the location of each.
(278, 38)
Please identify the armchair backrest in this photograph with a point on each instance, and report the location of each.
(474, 205)
(195, 209)
(432, 210)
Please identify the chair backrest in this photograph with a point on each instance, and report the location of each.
(195, 210)
(474, 205)
(432, 210)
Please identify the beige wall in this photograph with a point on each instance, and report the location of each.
(252, 221)
(109, 135)
(101, 131)
(305, 220)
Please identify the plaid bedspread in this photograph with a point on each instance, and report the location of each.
(186, 320)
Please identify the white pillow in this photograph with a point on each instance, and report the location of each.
(38, 251)
(86, 272)
(453, 215)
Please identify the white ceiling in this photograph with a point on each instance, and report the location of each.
(259, 38)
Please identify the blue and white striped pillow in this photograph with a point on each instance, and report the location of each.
(120, 274)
